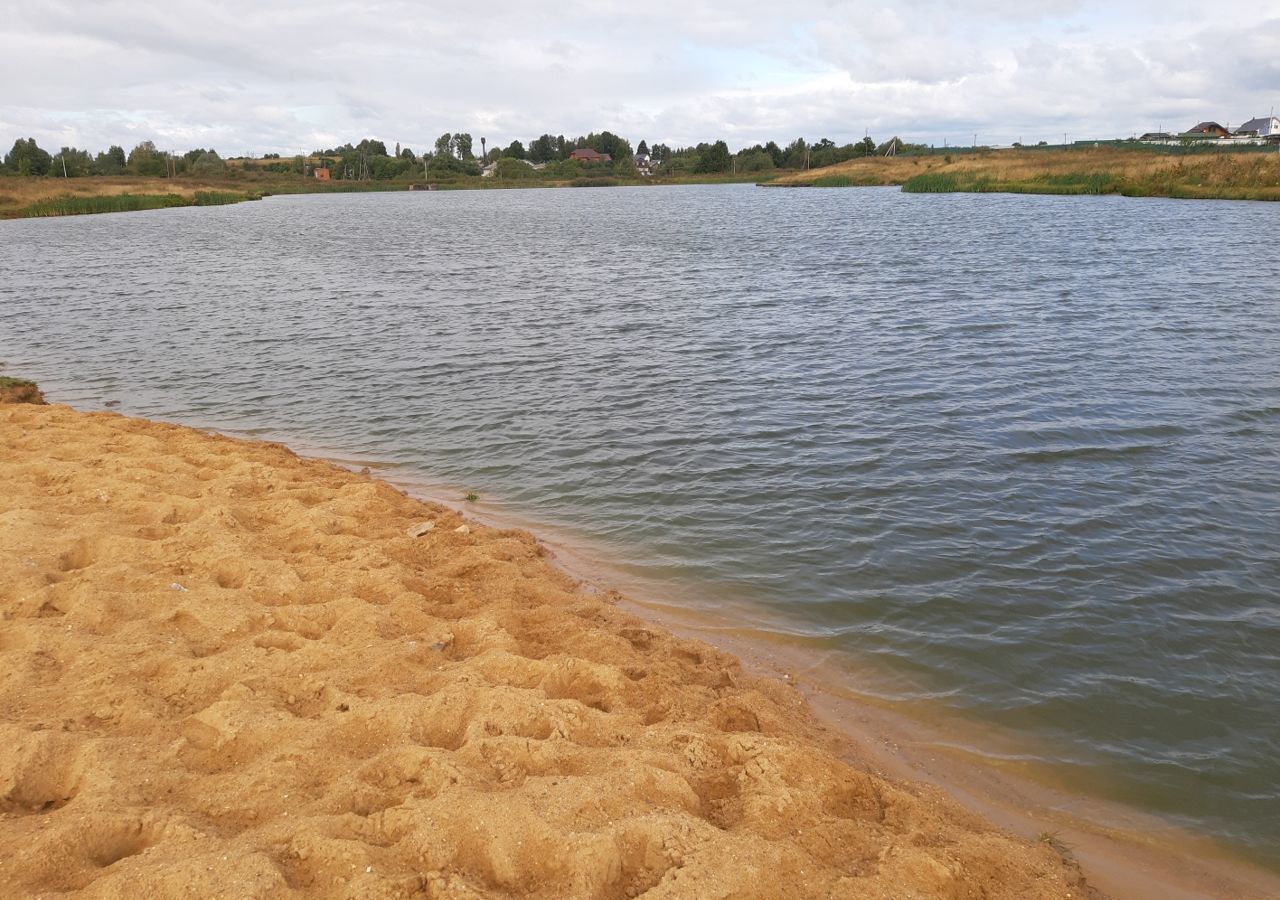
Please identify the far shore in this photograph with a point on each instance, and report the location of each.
(1106, 169)
(38, 197)
(282, 678)
(1103, 169)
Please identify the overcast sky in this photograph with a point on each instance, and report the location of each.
(263, 76)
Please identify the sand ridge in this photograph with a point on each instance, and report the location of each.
(226, 671)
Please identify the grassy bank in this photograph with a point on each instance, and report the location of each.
(39, 197)
(81, 206)
(19, 390)
(35, 197)
(1133, 172)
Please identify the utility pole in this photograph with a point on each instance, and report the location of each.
(64, 163)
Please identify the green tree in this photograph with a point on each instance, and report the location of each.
(542, 149)
(514, 151)
(660, 153)
(642, 149)
(383, 168)
(370, 147)
(72, 162)
(714, 158)
(511, 167)
(823, 153)
(893, 142)
(606, 142)
(406, 153)
(26, 158)
(209, 163)
(111, 162)
(444, 145)
(625, 167)
(145, 159)
(462, 146)
(796, 154)
(756, 159)
(866, 146)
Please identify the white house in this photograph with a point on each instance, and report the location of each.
(1264, 127)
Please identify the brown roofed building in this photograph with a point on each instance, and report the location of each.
(586, 154)
(1209, 129)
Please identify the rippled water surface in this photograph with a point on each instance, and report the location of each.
(1020, 453)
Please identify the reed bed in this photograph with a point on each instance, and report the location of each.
(82, 206)
(108, 203)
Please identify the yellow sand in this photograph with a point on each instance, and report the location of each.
(229, 672)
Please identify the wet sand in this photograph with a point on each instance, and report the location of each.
(226, 671)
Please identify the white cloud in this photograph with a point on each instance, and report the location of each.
(286, 77)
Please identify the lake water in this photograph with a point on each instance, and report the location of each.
(1017, 456)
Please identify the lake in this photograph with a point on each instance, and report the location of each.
(1017, 457)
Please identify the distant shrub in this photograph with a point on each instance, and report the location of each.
(594, 182)
(508, 168)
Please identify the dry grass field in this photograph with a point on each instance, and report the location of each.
(21, 197)
(1094, 170)
(16, 194)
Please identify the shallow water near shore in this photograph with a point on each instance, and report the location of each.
(1018, 456)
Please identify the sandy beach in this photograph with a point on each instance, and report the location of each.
(231, 672)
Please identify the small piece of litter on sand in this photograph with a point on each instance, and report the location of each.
(176, 587)
(463, 529)
(421, 528)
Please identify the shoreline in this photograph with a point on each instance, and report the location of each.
(49, 197)
(1130, 849)
(232, 671)
(1103, 170)
(1125, 851)
(879, 740)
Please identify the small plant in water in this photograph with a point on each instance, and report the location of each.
(1056, 843)
(472, 496)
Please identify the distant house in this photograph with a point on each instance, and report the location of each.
(586, 154)
(642, 163)
(1264, 127)
(1208, 130)
(1156, 136)
(322, 174)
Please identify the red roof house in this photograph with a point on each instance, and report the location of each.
(586, 154)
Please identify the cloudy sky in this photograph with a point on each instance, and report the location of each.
(264, 76)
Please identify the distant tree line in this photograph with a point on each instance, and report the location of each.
(27, 158)
(454, 155)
